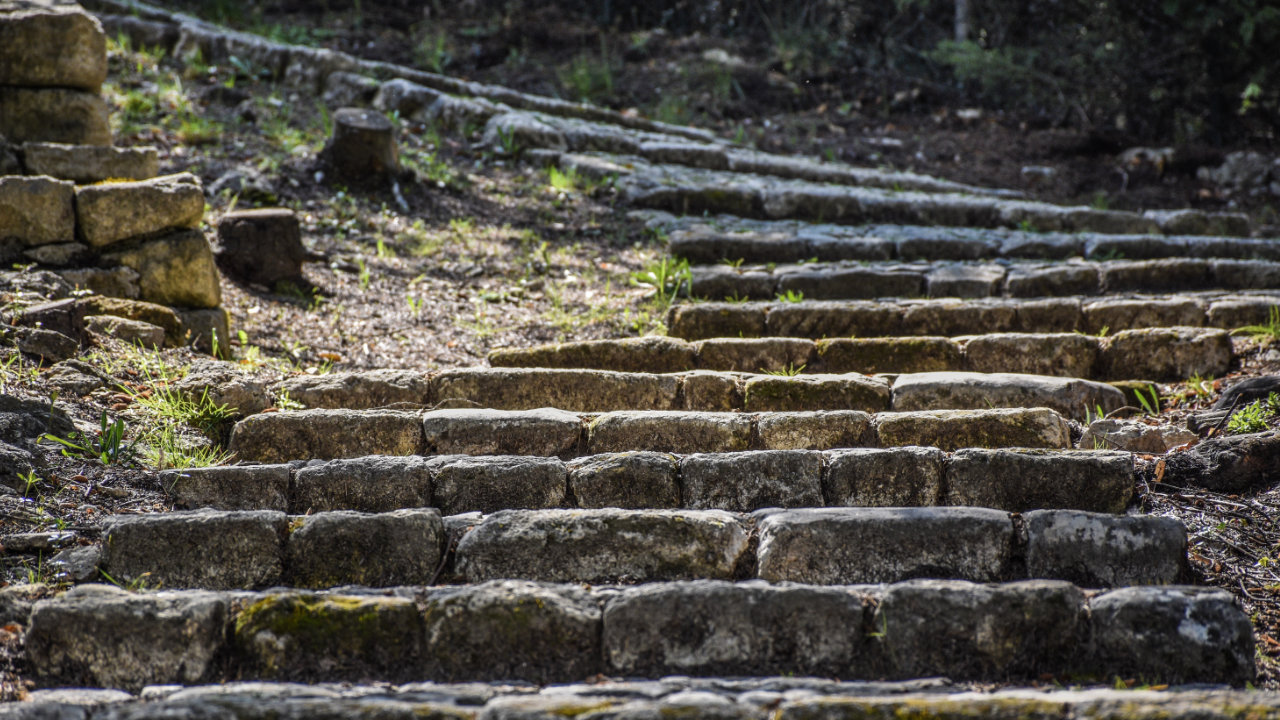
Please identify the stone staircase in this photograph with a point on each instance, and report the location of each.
(658, 526)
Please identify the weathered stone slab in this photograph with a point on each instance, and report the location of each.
(1230, 464)
(711, 391)
(1115, 315)
(308, 636)
(501, 432)
(1236, 311)
(326, 435)
(367, 484)
(675, 432)
(893, 477)
(1020, 480)
(36, 211)
(953, 317)
(778, 393)
(60, 115)
(751, 480)
(1174, 635)
(90, 163)
(719, 282)
(626, 480)
(889, 355)
(110, 212)
(1095, 550)
(230, 487)
(720, 628)
(573, 390)
(653, 354)
(964, 281)
(103, 636)
(207, 549)
(963, 630)
(1245, 274)
(1059, 354)
(1165, 354)
(819, 320)
(698, 321)
(328, 549)
(1051, 315)
(1170, 274)
(755, 355)
(176, 269)
(130, 332)
(603, 546)
(489, 484)
(1026, 281)
(972, 391)
(953, 429)
(51, 45)
(509, 630)
(1135, 435)
(857, 282)
(356, 390)
(819, 430)
(833, 546)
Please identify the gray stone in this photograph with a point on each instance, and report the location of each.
(1230, 464)
(23, 421)
(728, 283)
(851, 391)
(603, 546)
(698, 321)
(102, 636)
(1168, 275)
(572, 390)
(889, 355)
(77, 564)
(1052, 315)
(206, 330)
(120, 282)
(149, 312)
(967, 631)
(1164, 354)
(954, 317)
(489, 484)
(50, 44)
(522, 130)
(1071, 278)
(367, 484)
(1116, 315)
(224, 385)
(654, 354)
(207, 549)
(544, 432)
(711, 391)
(345, 89)
(675, 432)
(819, 320)
(862, 282)
(508, 630)
(230, 487)
(953, 429)
(110, 212)
(59, 255)
(405, 97)
(1021, 480)
(715, 628)
(84, 164)
(972, 391)
(325, 435)
(1172, 635)
(747, 481)
(261, 246)
(1095, 550)
(894, 477)
(712, 157)
(625, 480)
(60, 115)
(48, 345)
(1134, 436)
(16, 601)
(175, 269)
(356, 390)
(305, 636)
(840, 546)
(755, 355)
(343, 547)
(1060, 354)
(36, 210)
(1235, 311)
(133, 332)
(819, 430)
(964, 281)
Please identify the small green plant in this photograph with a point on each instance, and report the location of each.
(29, 482)
(1150, 405)
(415, 305)
(1101, 201)
(733, 263)
(364, 274)
(107, 445)
(1250, 418)
(790, 370)
(790, 296)
(667, 277)
(1264, 333)
(1094, 415)
(508, 142)
(137, 584)
(432, 52)
(589, 78)
(735, 298)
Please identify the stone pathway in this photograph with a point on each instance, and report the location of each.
(883, 481)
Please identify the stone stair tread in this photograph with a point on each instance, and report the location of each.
(1015, 480)
(819, 319)
(106, 637)
(332, 434)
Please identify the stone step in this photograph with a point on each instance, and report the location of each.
(685, 190)
(221, 550)
(1012, 480)
(596, 391)
(952, 317)
(1160, 354)
(330, 434)
(950, 279)
(756, 698)
(506, 630)
(702, 240)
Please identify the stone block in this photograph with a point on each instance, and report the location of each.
(971, 391)
(626, 480)
(571, 390)
(59, 115)
(750, 480)
(696, 321)
(891, 477)
(755, 355)
(357, 390)
(1051, 315)
(489, 484)
(778, 393)
(720, 282)
(1069, 355)
(371, 484)
(1168, 275)
(207, 549)
(1245, 274)
(1096, 550)
(36, 211)
(964, 281)
(818, 430)
(1116, 315)
(544, 432)
(711, 391)
(107, 213)
(326, 435)
(85, 164)
(343, 547)
(175, 269)
(653, 354)
(1166, 354)
(603, 546)
(857, 282)
(954, 429)
(1027, 281)
(674, 432)
(51, 45)
(1021, 480)
(953, 317)
(819, 320)
(131, 332)
(229, 487)
(261, 246)
(889, 355)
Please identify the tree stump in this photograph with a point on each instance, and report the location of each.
(261, 246)
(363, 149)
